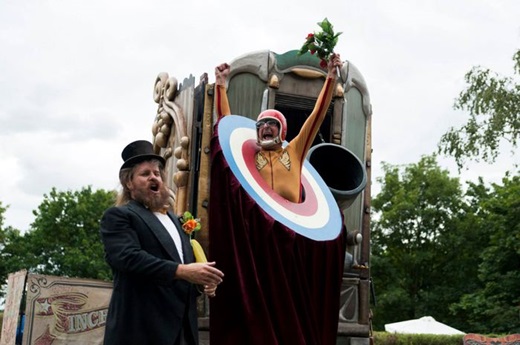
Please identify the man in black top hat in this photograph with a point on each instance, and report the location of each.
(154, 269)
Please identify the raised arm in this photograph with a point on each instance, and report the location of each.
(303, 141)
(221, 100)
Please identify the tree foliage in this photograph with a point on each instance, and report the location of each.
(443, 252)
(64, 238)
(9, 247)
(65, 235)
(493, 103)
(495, 306)
(415, 242)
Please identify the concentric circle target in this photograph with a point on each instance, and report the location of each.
(317, 218)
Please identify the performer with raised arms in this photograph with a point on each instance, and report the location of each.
(281, 287)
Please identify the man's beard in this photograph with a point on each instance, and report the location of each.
(154, 202)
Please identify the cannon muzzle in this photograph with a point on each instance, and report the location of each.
(341, 170)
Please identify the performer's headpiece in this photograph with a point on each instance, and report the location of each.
(282, 126)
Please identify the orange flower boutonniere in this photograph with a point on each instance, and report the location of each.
(190, 224)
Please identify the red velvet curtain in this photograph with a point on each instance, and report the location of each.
(279, 287)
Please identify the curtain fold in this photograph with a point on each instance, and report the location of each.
(279, 287)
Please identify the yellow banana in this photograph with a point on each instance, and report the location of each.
(198, 251)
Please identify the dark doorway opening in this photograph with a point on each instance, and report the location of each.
(296, 110)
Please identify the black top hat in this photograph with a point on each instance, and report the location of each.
(137, 152)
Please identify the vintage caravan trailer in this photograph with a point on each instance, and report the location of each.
(341, 152)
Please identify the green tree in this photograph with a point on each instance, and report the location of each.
(9, 249)
(493, 103)
(494, 307)
(422, 258)
(64, 237)
(63, 240)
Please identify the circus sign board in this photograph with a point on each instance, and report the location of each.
(63, 310)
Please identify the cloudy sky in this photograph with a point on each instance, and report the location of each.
(76, 77)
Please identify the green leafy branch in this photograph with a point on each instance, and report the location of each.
(321, 43)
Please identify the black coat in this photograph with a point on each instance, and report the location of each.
(148, 306)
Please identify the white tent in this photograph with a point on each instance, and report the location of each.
(424, 325)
